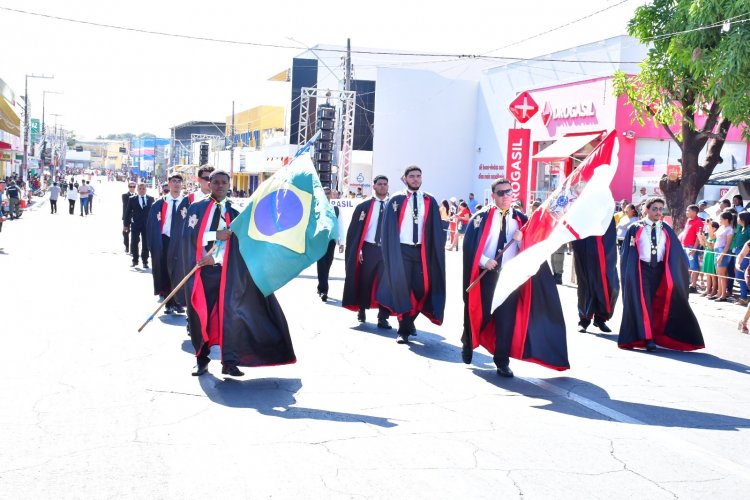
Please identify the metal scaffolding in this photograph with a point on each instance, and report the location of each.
(344, 100)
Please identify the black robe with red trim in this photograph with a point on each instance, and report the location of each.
(394, 292)
(539, 327)
(673, 324)
(595, 262)
(355, 239)
(250, 329)
(154, 227)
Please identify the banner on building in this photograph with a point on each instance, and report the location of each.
(517, 166)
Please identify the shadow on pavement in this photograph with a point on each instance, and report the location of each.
(274, 397)
(315, 277)
(428, 345)
(172, 319)
(693, 357)
(647, 414)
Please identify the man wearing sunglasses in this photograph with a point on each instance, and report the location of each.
(413, 245)
(493, 239)
(204, 192)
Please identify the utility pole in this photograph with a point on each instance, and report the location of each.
(26, 117)
(231, 152)
(342, 172)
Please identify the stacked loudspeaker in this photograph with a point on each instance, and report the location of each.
(324, 144)
(203, 154)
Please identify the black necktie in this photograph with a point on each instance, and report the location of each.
(415, 224)
(380, 225)
(653, 245)
(214, 223)
(143, 202)
(173, 222)
(501, 239)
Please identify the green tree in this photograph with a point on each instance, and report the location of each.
(71, 140)
(698, 64)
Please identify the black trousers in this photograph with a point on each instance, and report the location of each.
(71, 206)
(136, 234)
(651, 279)
(211, 278)
(164, 268)
(412, 258)
(324, 268)
(505, 323)
(371, 269)
(53, 206)
(126, 240)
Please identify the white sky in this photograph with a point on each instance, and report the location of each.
(115, 81)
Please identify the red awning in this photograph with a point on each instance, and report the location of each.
(4, 145)
(565, 147)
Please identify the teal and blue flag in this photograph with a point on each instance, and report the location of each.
(286, 226)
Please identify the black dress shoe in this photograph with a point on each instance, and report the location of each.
(324, 297)
(505, 371)
(650, 346)
(168, 310)
(601, 325)
(178, 310)
(200, 369)
(466, 355)
(145, 265)
(383, 323)
(583, 324)
(361, 316)
(413, 330)
(231, 370)
(402, 339)
(133, 264)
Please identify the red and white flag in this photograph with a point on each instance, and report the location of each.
(581, 206)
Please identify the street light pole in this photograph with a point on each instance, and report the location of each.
(26, 113)
(57, 139)
(44, 130)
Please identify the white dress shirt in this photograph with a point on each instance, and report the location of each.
(406, 233)
(167, 226)
(209, 236)
(372, 228)
(644, 242)
(490, 247)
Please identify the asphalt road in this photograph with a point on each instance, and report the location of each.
(93, 409)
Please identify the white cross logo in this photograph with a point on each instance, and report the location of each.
(524, 108)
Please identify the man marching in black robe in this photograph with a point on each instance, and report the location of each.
(225, 307)
(165, 222)
(529, 324)
(363, 257)
(414, 256)
(595, 261)
(655, 281)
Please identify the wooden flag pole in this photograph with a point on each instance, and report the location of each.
(499, 254)
(174, 291)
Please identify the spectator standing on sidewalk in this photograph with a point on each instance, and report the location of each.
(723, 248)
(83, 193)
(54, 194)
(2, 203)
(472, 203)
(689, 240)
(708, 268)
(741, 236)
(72, 197)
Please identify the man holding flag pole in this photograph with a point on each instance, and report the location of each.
(579, 208)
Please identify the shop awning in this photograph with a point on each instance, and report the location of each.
(9, 120)
(565, 147)
(730, 177)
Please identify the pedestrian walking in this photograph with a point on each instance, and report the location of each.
(13, 192)
(165, 223)
(83, 194)
(91, 197)
(72, 197)
(125, 224)
(413, 245)
(654, 277)
(135, 219)
(324, 263)
(54, 194)
(364, 256)
(492, 241)
(3, 188)
(225, 307)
